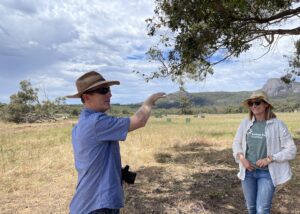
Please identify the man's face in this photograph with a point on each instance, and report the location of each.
(99, 100)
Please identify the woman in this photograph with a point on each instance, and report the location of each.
(262, 146)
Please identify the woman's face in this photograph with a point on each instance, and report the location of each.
(258, 107)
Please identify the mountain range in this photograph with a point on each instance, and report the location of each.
(277, 90)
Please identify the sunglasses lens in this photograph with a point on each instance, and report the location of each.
(103, 90)
(256, 103)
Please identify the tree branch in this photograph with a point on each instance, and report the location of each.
(294, 31)
(281, 15)
(292, 12)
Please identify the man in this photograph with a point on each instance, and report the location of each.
(96, 147)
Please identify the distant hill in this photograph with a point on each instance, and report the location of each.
(204, 99)
(278, 92)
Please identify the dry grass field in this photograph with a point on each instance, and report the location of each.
(182, 167)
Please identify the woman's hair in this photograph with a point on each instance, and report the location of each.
(268, 115)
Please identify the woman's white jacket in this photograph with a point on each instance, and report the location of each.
(280, 145)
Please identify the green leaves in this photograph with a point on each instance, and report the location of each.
(201, 30)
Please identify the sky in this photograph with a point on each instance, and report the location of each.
(52, 43)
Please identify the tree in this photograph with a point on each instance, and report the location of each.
(205, 33)
(184, 100)
(25, 106)
(22, 103)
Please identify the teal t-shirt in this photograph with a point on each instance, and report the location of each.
(256, 143)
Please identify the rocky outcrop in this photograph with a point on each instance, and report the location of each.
(277, 88)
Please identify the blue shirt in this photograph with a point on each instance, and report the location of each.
(98, 161)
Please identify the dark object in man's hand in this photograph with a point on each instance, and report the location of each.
(127, 175)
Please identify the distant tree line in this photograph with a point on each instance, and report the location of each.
(25, 107)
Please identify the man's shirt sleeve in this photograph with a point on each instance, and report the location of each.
(109, 128)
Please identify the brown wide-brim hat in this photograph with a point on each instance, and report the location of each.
(257, 95)
(91, 80)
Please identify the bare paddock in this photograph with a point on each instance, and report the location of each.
(183, 165)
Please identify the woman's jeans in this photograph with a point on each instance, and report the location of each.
(258, 190)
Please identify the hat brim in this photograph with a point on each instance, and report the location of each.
(245, 102)
(109, 83)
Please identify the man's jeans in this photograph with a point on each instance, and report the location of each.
(105, 211)
(258, 191)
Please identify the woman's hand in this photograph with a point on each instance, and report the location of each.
(247, 164)
(263, 162)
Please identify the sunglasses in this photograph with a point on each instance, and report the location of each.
(102, 90)
(256, 103)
